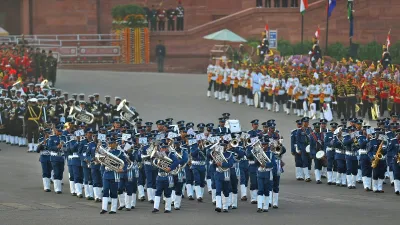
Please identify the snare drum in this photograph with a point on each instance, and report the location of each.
(233, 125)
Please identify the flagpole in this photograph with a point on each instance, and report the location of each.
(302, 28)
(327, 28)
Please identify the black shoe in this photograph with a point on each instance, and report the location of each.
(151, 201)
(323, 176)
(200, 199)
(382, 191)
(397, 192)
(299, 179)
(368, 189)
(80, 196)
(265, 210)
(58, 192)
(142, 199)
(225, 210)
(177, 208)
(97, 200)
(217, 210)
(183, 196)
(73, 194)
(234, 207)
(275, 206)
(103, 212)
(329, 183)
(338, 184)
(392, 184)
(359, 182)
(167, 211)
(47, 190)
(121, 207)
(112, 212)
(253, 202)
(354, 187)
(155, 210)
(191, 198)
(209, 192)
(343, 185)
(90, 198)
(269, 205)
(259, 210)
(308, 180)
(319, 182)
(384, 182)
(244, 198)
(128, 209)
(132, 207)
(376, 191)
(172, 203)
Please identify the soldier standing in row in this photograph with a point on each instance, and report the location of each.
(161, 19)
(153, 18)
(386, 58)
(51, 68)
(171, 14)
(181, 13)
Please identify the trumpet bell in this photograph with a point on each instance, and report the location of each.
(234, 143)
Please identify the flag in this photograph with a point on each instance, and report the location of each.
(266, 31)
(317, 33)
(388, 40)
(331, 6)
(303, 6)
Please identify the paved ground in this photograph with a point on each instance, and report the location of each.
(181, 96)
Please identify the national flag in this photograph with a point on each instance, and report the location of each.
(303, 6)
(388, 40)
(266, 31)
(331, 6)
(317, 33)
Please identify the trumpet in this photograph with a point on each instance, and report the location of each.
(248, 142)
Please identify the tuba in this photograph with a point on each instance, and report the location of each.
(109, 160)
(44, 85)
(217, 155)
(259, 153)
(81, 115)
(127, 114)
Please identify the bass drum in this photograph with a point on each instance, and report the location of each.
(233, 125)
(257, 97)
(328, 112)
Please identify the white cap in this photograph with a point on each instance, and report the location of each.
(33, 100)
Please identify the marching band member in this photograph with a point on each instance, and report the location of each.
(377, 153)
(249, 87)
(295, 151)
(220, 76)
(330, 154)
(326, 95)
(291, 84)
(303, 140)
(255, 79)
(365, 162)
(97, 184)
(264, 176)
(33, 118)
(45, 159)
(242, 83)
(222, 177)
(211, 78)
(198, 166)
(394, 149)
(254, 133)
(351, 150)
(68, 131)
(150, 171)
(235, 83)
(110, 180)
(314, 92)
(207, 135)
(280, 93)
(235, 174)
(278, 152)
(244, 171)
(263, 93)
(340, 156)
(316, 145)
(164, 179)
(57, 159)
(83, 153)
(179, 178)
(269, 91)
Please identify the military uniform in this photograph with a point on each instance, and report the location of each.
(171, 14)
(180, 17)
(51, 68)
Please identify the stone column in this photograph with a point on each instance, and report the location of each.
(25, 25)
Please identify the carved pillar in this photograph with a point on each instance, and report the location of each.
(25, 24)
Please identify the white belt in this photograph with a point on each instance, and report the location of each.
(350, 153)
(198, 163)
(260, 169)
(252, 162)
(339, 151)
(75, 154)
(362, 152)
(328, 149)
(84, 154)
(56, 154)
(163, 174)
(351, 95)
(45, 153)
(147, 163)
(73, 157)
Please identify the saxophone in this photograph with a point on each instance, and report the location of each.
(378, 156)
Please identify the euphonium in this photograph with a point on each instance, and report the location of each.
(259, 153)
(44, 85)
(127, 114)
(217, 154)
(160, 161)
(81, 115)
(248, 142)
(109, 160)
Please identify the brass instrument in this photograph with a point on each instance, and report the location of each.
(259, 153)
(398, 158)
(247, 142)
(217, 155)
(109, 160)
(44, 85)
(126, 113)
(52, 110)
(160, 161)
(378, 156)
(234, 143)
(81, 115)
